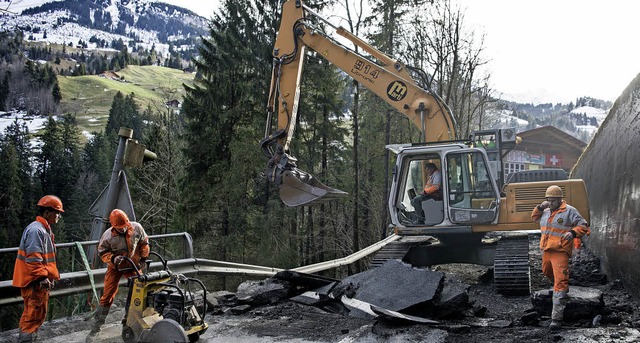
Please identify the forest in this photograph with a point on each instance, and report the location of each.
(208, 179)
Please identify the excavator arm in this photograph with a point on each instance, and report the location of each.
(388, 78)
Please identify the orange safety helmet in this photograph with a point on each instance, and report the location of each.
(51, 201)
(118, 219)
(553, 192)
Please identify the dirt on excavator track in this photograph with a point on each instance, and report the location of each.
(495, 318)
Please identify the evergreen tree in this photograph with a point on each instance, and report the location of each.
(11, 198)
(55, 92)
(4, 91)
(97, 160)
(16, 200)
(57, 163)
(124, 112)
(222, 127)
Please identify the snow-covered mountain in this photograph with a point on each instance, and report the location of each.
(581, 122)
(590, 112)
(96, 22)
(17, 6)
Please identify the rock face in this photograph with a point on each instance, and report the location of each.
(584, 303)
(609, 168)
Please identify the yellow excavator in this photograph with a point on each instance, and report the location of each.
(475, 198)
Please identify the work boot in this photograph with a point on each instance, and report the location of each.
(98, 320)
(24, 337)
(557, 312)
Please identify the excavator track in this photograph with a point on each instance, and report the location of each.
(511, 271)
(398, 249)
(395, 250)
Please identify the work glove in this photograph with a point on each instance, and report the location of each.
(544, 205)
(143, 265)
(569, 235)
(117, 260)
(46, 284)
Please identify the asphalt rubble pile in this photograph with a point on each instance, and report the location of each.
(395, 291)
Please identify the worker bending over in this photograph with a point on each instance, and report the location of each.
(124, 239)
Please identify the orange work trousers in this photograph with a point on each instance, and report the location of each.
(36, 302)
(111, 281)
(555, 266)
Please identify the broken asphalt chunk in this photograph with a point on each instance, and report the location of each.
(583, 303)
(395, 286)
(262, 292)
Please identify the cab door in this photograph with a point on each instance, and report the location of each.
(473, 196)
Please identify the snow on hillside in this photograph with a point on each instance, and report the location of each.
(507, 118)
(67, 32)
(33, 123)
(62, 26)
(73, 32)
(587, 128)
(589, 111)
(17, 6)
(503, 119)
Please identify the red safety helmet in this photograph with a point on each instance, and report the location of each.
(51, 201)
(118, 219)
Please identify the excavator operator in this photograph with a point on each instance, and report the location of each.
(560, 223)
(432, 189)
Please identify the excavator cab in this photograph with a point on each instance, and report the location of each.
(469, 190)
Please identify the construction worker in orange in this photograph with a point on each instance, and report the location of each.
(560, 224)
(35, 270)
(123, 239)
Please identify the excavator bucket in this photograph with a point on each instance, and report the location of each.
(299, 188)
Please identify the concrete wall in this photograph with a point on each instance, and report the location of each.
(610, 167)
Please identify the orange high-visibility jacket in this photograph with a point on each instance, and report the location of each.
(133, 243)
(553, 225)
(36, 259)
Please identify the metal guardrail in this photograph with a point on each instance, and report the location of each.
(314, 268)
(188, 243)
(79, 282)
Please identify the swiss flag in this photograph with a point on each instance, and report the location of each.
(553, 160)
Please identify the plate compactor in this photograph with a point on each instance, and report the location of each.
(164, 307)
